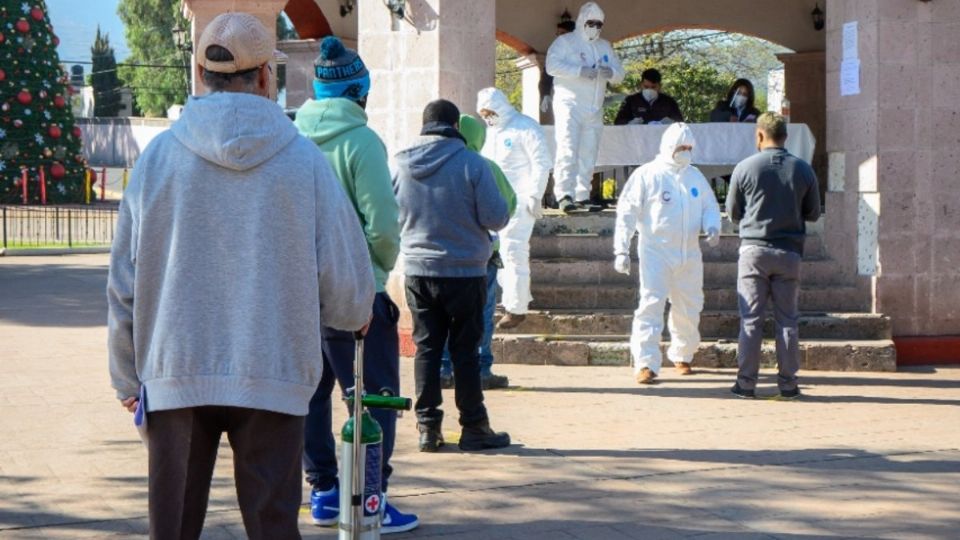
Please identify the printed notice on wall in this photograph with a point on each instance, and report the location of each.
(850, 77)
(850, 41)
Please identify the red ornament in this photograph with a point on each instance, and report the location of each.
(54, 132)
(76, 132)
(2, 37)
(23, 26)
(56, 41)
(3, 75)
(57, 171)
(58, 100)
(24, 97)
(36, 13)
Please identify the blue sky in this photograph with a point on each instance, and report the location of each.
(75, 22)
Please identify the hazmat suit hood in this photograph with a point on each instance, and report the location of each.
(234, 130)
(588, 12)
(675, 135)
(494, 100)
(473, 131)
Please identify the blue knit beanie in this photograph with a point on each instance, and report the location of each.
(339, 72)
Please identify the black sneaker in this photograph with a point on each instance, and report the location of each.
(431, 439)
(790, 394)
(446, 381)
(743, 392)
(588, 205)
(492, 381)
(481, 437)
(567, 206)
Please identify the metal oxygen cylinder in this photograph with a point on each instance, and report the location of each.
(360, 502)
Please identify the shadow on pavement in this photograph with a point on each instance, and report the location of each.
(58, 295)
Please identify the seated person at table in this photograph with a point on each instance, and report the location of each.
(649, 105)
(738, 106)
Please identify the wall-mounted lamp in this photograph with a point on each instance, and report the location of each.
(395, 7)
(817, 16)
(346, 7)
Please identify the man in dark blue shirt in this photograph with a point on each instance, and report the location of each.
(772, 194)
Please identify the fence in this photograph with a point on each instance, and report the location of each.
(57, 226)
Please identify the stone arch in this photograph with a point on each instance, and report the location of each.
(308, 19)
(515, 43)
(674, 27)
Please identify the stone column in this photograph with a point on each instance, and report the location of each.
(531, 69)
(201, 12)
(805, 86)
(894, 160)
(300, 56)
(446, 49)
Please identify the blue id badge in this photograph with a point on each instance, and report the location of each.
(140, 415)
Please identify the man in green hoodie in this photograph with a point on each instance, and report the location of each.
(474, 132)
(337, 123)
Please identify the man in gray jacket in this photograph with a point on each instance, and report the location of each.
(448, 202)
(234, 245)
(772, 194)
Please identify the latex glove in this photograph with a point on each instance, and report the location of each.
(545, 104)
(635, 122)
(534, 207)
(588, 73)
(713, 237)
(605, 72)
(622, 264)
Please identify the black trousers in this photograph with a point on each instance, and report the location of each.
(447, 311)
(266, 465)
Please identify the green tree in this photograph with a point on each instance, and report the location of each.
(508, 78)
(37, 129)
(104, 79)
(162, 80)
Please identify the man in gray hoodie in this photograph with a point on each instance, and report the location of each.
(448, 202)
(234, 245)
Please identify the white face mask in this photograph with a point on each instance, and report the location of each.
(650, 94)
(591, 33)
(683, 158)
(739, 101)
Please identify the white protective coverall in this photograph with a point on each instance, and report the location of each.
(516, 143)
(668, 203)
(581, 68)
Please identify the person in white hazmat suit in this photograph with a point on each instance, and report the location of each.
(516, 143)
(668, 202)
(581, 64)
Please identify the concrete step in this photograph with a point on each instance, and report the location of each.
(556, 222)
(600, 247)
(814, 272)
(713, 324)
(830, 355)
(604, 297)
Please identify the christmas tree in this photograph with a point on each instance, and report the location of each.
(37, 129)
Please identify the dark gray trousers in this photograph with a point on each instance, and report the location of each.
(182, 447)
(768, 274)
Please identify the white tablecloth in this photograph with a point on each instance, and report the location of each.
(717, 144)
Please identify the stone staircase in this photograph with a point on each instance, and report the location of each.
(583, 308)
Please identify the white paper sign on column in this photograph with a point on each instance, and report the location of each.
(850, 77)
(850, 41)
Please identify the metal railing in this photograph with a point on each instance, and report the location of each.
(26, 227)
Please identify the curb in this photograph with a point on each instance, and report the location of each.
(6, 252)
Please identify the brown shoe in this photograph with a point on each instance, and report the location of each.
(510, 320)
(683, 368)
(646, 376)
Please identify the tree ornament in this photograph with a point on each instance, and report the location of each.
(5, 107)
(18, 123)
(58, 100)
(24, 97)
(3, 75)
(76, 132)
(78, 158)
(43, 94)
(57, 171)
(9, 150)
(47, 153)
(36, 13)
(2, 37)
(23, 26)
(60, 152)
(56, 41)
(54, 132)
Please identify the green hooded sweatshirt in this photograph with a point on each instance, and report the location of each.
(475, 133)
(339, 127)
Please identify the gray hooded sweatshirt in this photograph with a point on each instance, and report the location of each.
(448, 201)
(235, 242)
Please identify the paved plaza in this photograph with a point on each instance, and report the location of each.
(594, 457)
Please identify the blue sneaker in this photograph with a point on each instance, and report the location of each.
(325, 506)
(395, 521)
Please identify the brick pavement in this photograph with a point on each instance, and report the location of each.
(596, 457)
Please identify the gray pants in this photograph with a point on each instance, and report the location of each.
(764, 273)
